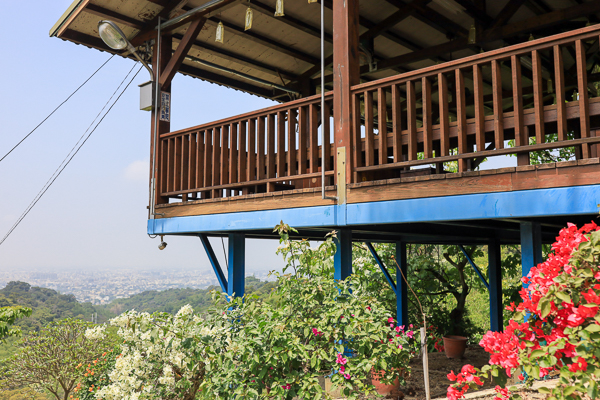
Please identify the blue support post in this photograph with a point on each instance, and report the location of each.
(531, 246)
(495, 285)
(342, 259)
(401, 286)
(237, 264)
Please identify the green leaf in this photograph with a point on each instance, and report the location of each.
(593, 328)
(544, 390)
(545, 308)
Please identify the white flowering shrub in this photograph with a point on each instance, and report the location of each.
(163, 356)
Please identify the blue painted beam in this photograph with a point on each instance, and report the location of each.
(531, 246)
(342, 260)
(474, 266)
(495, 287)
(576, 200)
(379, 262)
(237, 265)
(214, 262)
(401, 285)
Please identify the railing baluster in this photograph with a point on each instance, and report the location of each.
(177, 161)
(369, 139)
(208, 154)
(261, 155)
(281, 144)
(382, 124)
(199, 177)
(233, 153)
(164, 166)
(397, 123)
(357, 144)
(538, 97)
(326, 139)
(411, 117)
(185, 163)
(479, 112)
(192, 167)
(313, 135)
(444, 120)
(497, 100)
(291, 135)
(461, 115)
(302, 141)
(251, 172)
(216, 160)
(242, 152)
(521, 134)
(584, 116)
(270, 150)
(224, 155)
(427, 118)
(559, 89)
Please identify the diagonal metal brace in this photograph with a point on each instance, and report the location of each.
(383, 268)
(214, 262)
(475, 267)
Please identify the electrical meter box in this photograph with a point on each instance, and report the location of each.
(146, 96)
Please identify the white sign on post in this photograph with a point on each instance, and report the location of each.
(165, 106)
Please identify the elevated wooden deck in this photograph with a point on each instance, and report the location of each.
(541, 94)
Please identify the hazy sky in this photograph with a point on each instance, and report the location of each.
(95, 213)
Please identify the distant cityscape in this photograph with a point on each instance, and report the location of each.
(103, 286)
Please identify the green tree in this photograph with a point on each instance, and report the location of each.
(48, 360)
(8, 316)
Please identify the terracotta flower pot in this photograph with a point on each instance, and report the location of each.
(382, 388)
(455, 346)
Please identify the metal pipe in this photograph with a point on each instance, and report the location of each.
(241, 75)
(323, 104)
(188, 14)
(156, 110)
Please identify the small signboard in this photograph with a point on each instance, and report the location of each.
(165, 106)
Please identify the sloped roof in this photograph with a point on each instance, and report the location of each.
(284, 51)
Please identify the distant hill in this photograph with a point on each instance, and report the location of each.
(173, 299)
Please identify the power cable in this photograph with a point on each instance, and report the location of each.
(56, 109)
(74, 150)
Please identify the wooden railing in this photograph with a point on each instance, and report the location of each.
(277, 148)
(465, 110)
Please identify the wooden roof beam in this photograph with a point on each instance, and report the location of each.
(287, 19)
(237, 58)
(434, 19)
(224, 80)
(507, 12)
(113, 16)
(394, 19)
(490, 35)
(184, 46)
(267, 42)
(475, 12)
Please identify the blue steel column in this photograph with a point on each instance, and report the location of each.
(531, 246)
(401, 286)
(237, 264)
(342, 259)
(495, 285)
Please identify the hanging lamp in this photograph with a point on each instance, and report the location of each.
(279, 8)
(248, 20)
(220, 33)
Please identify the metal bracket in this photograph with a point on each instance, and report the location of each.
(475, 267)
(214, 262)
(341, 175)
(386, 273)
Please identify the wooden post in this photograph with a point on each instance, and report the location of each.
(166, 43)
(345, 74)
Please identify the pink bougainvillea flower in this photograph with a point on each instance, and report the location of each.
(340, 359)
(503, 393)
(410, 334)
(347, 376)
(390, 319)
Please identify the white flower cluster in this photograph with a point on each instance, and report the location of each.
(154, 355)
(96, 333)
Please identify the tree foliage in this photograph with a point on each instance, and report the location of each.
(47, 360)
(8, 316)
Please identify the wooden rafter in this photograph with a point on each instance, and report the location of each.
(184, 46)
(394, 19)
(114, 16)
(475, 12)
(490, 35)
(288, 20)
(434, 19)
(507, 13)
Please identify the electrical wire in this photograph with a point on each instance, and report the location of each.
(56, 109)
(78, 145)
(224, 253)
